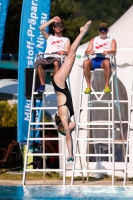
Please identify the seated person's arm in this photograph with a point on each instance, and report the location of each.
(14, 142)
(89, 49)
(66, 49)
(113, 48)
(44, 26)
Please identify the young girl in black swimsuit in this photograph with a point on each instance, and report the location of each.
(65, 107)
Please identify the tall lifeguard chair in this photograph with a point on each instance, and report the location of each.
(129, 152)
(97, 102)
(34, 126)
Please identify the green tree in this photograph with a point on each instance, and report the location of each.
(11, 38)
(74, 14)
(8, 114)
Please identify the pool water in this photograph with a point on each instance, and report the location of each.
(65, 193)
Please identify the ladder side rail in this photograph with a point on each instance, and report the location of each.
(109, 132)
(64, 159)
(77, 131)
(113, 65)
(29, 128)
(43, 135)
(64, 169)
(69, 85)
(128, 136)
(113, 145)
(95, 150)
(88, 136)
(127, 149)
(119, 112)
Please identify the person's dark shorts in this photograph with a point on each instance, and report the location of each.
(47, 61)
(96, 63)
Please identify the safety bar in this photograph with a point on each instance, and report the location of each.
(41, 55)
(112, 58)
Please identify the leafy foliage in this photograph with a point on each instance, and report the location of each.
(8, 114)
(11, 39)
(96, 10)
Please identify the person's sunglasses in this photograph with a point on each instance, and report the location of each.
(58, 25)
(103, 29)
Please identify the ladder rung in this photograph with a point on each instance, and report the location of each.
(130, 139)
(107, 101)
(45, 154)
(105, 142)
(93, 170)
(96, 123)
(96, 108)
(101, 139)
(95, 93)
(95, 139)
(129, 155)
(42, 123)
(44, 170)
(44, 108)
(44, 93)
(95, 128)
(129, 171)
(51, 128)
(46, 139)
(94, 155)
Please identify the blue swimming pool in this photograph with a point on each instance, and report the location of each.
(65, 193)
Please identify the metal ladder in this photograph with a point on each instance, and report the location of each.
(33, 126)
(96, 125)
(129, 154)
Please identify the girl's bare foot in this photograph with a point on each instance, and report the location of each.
(70, 158)
(86, 27)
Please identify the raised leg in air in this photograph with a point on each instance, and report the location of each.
(66, 68)
(60, 78)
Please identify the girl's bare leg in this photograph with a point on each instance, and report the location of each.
(41, 75)
(64, 115)
(71, 125)
(60, 78)
(56, 68)
(65, 69)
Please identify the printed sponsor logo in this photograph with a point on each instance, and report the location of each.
(78, 56)
(102, 45)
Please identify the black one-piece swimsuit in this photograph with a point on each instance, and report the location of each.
(66, 92)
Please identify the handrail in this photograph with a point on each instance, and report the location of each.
(41, 55)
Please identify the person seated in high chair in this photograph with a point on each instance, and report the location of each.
(64, 100)
(6, 148)
(55, 44)
(100, 50)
